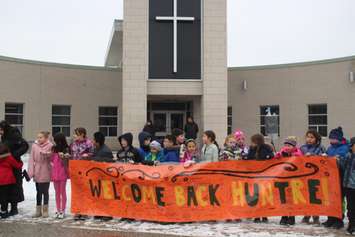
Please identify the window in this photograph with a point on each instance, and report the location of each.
(61, 119)
(230, 119)
(108, 117)
(274, 109)
(318, 118)
(14, 115)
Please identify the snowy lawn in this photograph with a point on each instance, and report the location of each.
(245, 228)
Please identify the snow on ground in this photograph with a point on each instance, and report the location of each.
(223, 229)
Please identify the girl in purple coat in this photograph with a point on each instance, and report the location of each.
(59, 159)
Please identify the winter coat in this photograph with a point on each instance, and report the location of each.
(159, 157)
(317, 149)
(103, 154)
(231, 153)
(283, 153)
(12, 138)
(340, 150)
(130, 154)
(347, 166)
(150, 129)
(190, 157)
(191, 130)
(171, 155)
(144, 150)
(263, 153)
(7, 164)
(80, 148)
(209, 153)
(59, 168)
(39, 164)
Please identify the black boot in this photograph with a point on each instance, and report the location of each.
(257, 220)
(14, 210)
(291, 220)
(351, 228)
(329, 222)
(284, 220)
(4, 215)
(264, 220)
(338, 224)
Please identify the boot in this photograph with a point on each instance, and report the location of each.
(45, 211)
(338, 224)
(329, 222)
(4, 214)
(316, 220)
(306, 219)
(257, 220)
(284, 220)
(264, 220)
(38, 212)
(291, 220)
(351, 228)
(14, 210)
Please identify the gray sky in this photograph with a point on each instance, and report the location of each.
(259, 32)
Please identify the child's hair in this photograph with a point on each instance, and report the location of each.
(4, 149)
(61, 144)
(315, 134)
(212, 136)
(45, 133)
(80, 131)
(99, 137)
(170, 138)
(291, 140)
(258, 139)
(190, 141)
(177, 132)
(228, 138)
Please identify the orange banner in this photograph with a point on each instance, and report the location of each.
(211, 191)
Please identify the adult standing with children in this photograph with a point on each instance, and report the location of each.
(190, 129)
(13, 139)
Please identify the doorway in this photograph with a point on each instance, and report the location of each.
(166, 121)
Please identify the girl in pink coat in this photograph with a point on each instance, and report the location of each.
(39, 169)
(59, 159)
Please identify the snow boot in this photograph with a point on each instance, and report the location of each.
(316, 220)
(45, 211)
(14, 210)
(4, 215)
(338, 224)
(38, 212)
(291, 220)
(329, 222)
(284, 220)
(351, 228)
(306, 219)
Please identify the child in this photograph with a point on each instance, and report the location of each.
(210, 148)
(259, 151)
(82, 147)
(230, 151)
(102, 153)
(39, 168)
(179, 142)
(128, 153)
(241, 144)
(144, 142)
(156, 154)
(288, 150)
(7, 178)
(170, 154)
(338, 148)
(59, 159)
(313, 147)
(348, 167)
(191, 155)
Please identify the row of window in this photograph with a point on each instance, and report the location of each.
(61, 117)
(317, 118)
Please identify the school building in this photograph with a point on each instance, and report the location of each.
(166, 60)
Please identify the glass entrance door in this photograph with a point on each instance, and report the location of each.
(166, 121)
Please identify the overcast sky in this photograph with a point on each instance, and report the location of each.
(259, 31)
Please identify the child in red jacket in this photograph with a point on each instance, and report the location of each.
(7, 178)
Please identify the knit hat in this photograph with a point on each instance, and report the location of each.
(337, 134)
(291, 141)
(352, 141)
(239, 134)
(177, 132)
(155, 145)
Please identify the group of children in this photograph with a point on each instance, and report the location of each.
(49, 161)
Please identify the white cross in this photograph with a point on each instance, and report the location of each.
(175, 18)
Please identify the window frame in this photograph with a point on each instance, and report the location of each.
(19, 126)
(60, 126)
(262, 125)
(317, 126)
(107, 127)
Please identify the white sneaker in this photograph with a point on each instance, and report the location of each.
(56, 215)
(61, 216)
